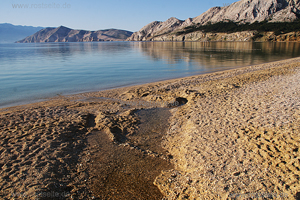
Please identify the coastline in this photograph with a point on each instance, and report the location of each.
(210, 59)
(118, 89)
(216, 144)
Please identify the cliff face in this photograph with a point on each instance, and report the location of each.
(241, 11)
(243, 36)
(64, 34)
(201, 36)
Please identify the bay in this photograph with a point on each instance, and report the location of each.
(35, 71)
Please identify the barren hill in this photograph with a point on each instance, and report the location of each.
(64, 34)
(241, 12)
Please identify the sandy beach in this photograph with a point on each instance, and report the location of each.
(226, 135)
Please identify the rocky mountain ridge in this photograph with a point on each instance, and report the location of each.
(64, 34)
(241, 12)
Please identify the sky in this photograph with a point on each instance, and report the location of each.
(129, 15)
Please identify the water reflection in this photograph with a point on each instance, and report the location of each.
(31, 71)
(201, 53)
(65, 50)
(216, 54)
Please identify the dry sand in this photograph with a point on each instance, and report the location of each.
(234, 136)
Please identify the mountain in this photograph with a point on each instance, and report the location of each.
(64, 34)
(253, 10)
(157, 28)
(10, 33)
(244, 11)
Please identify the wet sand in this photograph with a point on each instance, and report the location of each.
(230, 135)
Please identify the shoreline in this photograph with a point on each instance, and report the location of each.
(199, 65)
(33, 101)
(72, 95)
(229, 128)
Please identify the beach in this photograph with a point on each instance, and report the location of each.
(226, 135)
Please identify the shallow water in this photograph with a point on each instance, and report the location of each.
(32, 72)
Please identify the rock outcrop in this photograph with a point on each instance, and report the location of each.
(241, 12)
(251, 11)
(64, 34)
(157, 28)
(244, 36)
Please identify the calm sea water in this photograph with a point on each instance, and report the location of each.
(31, 72)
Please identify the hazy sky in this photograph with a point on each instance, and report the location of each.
(129, 15)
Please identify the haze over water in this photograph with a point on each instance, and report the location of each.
(30, 72)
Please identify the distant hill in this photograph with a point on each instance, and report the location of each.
(10, 33)
(243, 11)
(64, 34)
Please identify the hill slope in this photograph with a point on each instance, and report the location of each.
(64, 34)
(241, 12)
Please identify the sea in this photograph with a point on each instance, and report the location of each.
(33, 72)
